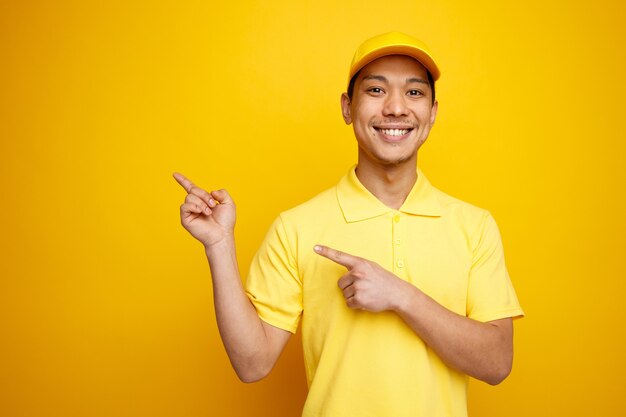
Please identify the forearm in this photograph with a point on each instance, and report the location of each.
(240, 327)
(481, 350)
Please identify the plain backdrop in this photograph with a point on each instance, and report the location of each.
(105, 301)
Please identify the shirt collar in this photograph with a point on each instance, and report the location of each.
(357, 203)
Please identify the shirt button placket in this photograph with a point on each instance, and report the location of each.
(399, 252)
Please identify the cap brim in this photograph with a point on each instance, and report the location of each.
(407, 50)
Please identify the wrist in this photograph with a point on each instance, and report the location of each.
(406, 298)
(225, 243)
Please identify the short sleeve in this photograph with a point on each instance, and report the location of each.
(491, 295)
(273, 284)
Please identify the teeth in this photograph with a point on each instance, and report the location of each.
(394, 132)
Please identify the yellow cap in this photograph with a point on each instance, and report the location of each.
(393, 43)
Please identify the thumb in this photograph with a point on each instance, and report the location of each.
(222, 196)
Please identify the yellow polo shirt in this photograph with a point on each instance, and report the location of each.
(372, 364)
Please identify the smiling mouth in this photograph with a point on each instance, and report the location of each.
(393, 132)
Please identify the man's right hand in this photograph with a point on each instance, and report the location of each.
(209, 217)
(253, 346)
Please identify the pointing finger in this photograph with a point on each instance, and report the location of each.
(183, 181)
(342, 258)
(193, 189)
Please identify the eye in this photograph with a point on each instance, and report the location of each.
(375, 90)
(415, 93)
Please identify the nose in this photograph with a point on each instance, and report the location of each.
(395, 105)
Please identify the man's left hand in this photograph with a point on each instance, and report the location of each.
(366, 285)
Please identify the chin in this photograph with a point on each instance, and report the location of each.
(387, 156)
(390, 162)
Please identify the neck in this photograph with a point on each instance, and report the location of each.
(391, 184)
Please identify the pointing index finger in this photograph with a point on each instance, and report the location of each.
(183, 181)
(337, 256)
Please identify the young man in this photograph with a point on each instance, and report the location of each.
(402, 290)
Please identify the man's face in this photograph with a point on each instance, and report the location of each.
(391, 110)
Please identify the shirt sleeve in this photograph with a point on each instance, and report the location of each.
(490, 292)
(273, 283)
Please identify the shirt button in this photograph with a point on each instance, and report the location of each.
(400, 263)
(398, 241)
(396, 218)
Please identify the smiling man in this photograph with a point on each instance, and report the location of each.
(401, 289)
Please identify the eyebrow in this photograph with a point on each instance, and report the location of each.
(375, 77)
(417, 80)
(385, 80)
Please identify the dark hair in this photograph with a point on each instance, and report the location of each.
(431, 82)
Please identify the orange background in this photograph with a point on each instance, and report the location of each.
(105, 301)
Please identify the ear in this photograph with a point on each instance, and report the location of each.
(346, 111)
(433, 113)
